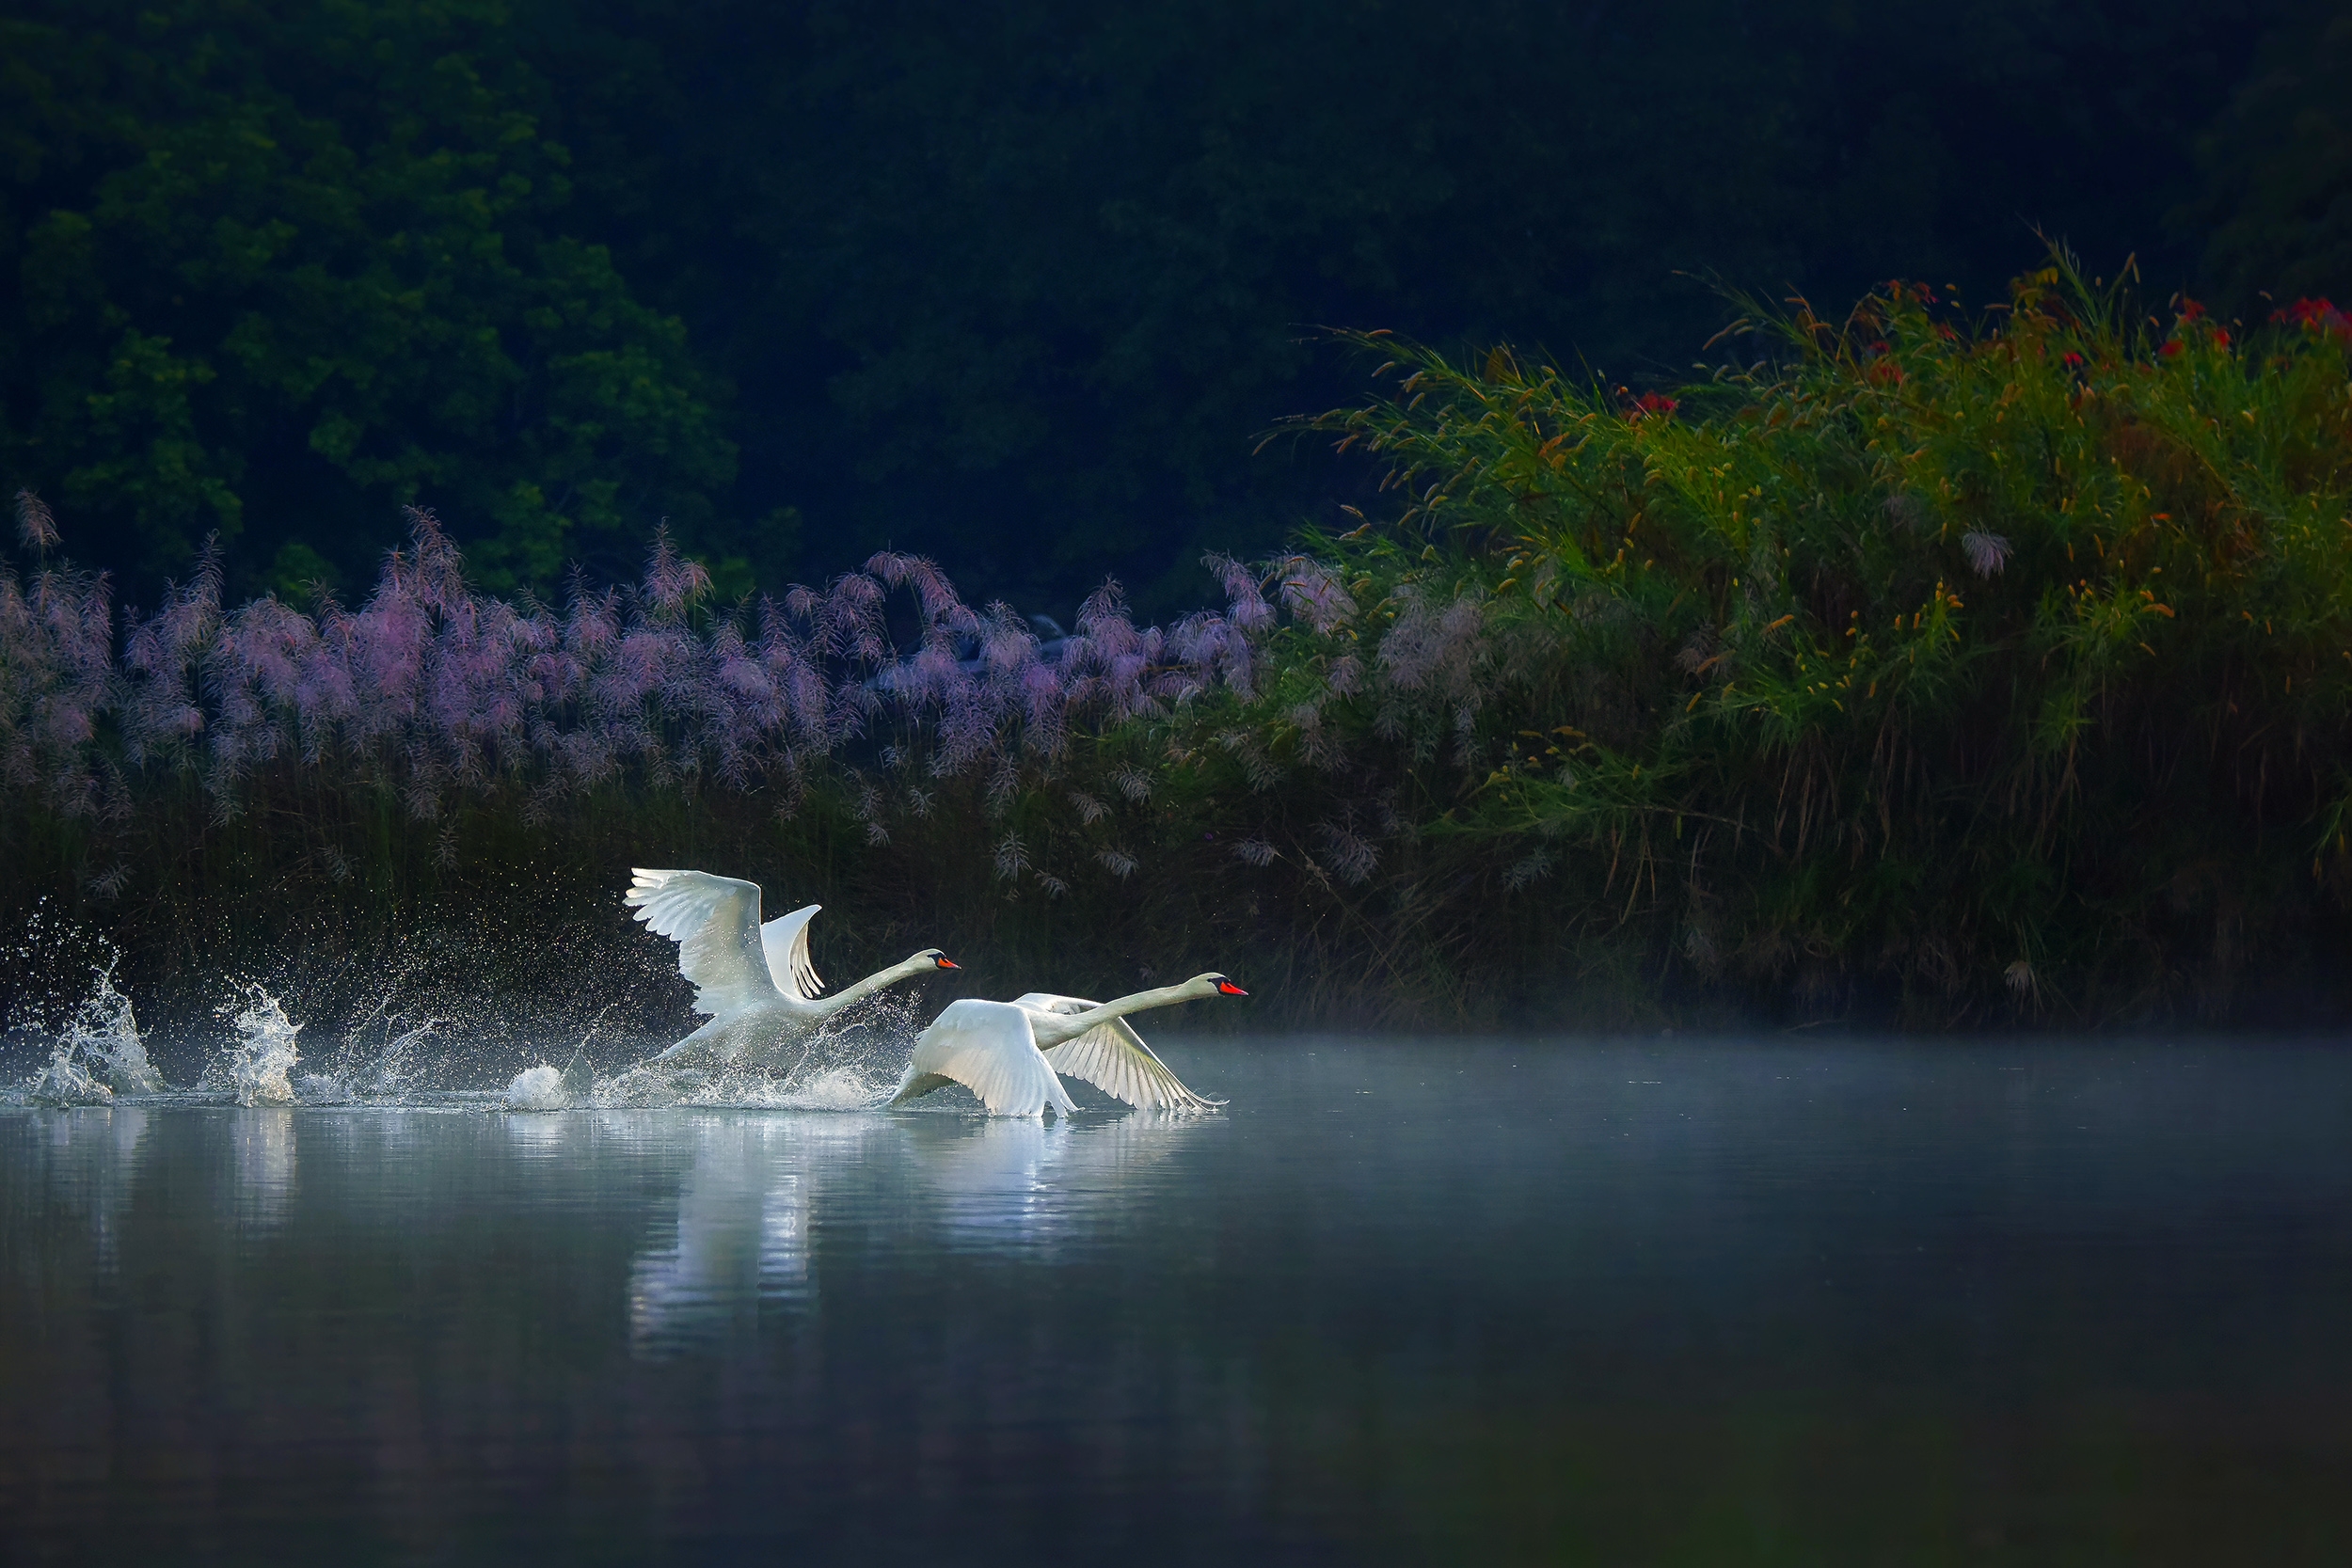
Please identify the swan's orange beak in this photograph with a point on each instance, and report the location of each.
(1227, 987)
(944, 961)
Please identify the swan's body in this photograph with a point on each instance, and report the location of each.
(1013, 1054)
(754, 982)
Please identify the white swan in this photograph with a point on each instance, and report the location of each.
(1013, 1053)
(753, 982)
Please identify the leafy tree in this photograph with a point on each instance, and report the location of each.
(2278, 203)
(1020, 285)
(1015, 285)
(279, 268)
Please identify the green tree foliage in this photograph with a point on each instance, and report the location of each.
(279, 267)
(1017, 285)
(2276, 213)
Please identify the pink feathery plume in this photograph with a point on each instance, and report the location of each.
(673, 582)
(1312, 592)
(1246, 607)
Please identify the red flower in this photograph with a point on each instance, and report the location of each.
(2220, 337)
(2073, 361)
(2190, 310)
(2317, 315)
(2168, 350)
(1651, 402)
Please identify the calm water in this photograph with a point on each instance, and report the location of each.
(1421, 1301)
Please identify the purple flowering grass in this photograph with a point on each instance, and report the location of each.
(438, 689)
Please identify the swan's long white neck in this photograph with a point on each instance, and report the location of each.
(1052, 1029)
(905, 969)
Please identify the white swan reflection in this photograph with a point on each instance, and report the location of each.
(741, 1233)
(759, 1182)
(1017, 1182)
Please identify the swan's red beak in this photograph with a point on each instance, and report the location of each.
(1227, 987)
(944, 961)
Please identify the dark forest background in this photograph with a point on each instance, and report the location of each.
(1015, 285)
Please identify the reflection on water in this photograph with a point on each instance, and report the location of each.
(1010, 1182)
(1406, 1302)
(758, 1186)
(84, 1171)
(740, 1239)
(261, 1144)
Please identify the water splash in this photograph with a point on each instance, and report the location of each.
(845, 1065)
(545, 1088)
(538, 1088)
(97, 1053)
(65, 1081)
(107, 1028)
(254, 1065)
(398, 1067)
(394, 1073)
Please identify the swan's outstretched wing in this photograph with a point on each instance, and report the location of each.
(1113, 1058)
(715, 923)
(988, 1048)
(785, 939)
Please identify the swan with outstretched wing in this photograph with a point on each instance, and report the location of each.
(1013, 1054)
(754, 981)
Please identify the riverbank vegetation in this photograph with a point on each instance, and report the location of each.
(1923, 663)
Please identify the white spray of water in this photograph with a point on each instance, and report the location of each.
(544, 1088)
(65, 1081)
(394, 1070)
(104, 1027)
(840, 1086)
(538, 1088)
(98, 1054)
(254, 1065)
(844, 1067)
(391, 1074)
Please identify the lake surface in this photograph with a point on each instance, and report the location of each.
(1405, 1301)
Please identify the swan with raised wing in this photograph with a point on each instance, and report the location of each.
(1014, 1055)
(754, 982)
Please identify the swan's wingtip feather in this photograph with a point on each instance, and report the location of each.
(644, 885)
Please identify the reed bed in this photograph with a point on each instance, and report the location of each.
(1945, 667)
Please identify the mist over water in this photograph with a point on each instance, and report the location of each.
(1403, 1300)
